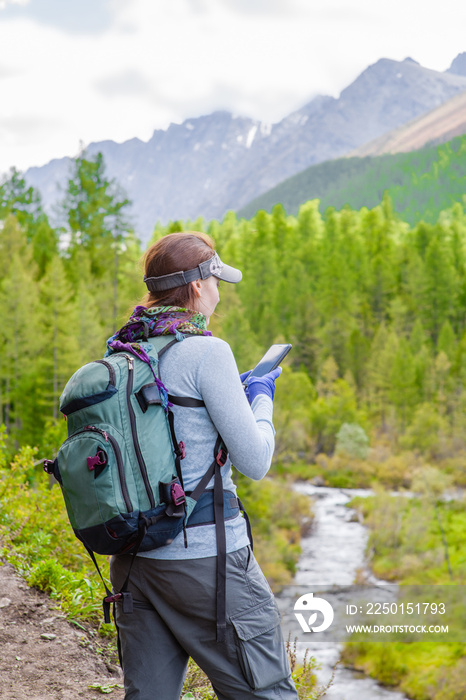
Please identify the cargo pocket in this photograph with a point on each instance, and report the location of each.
(261, 651)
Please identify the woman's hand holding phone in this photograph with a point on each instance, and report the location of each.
(263, 385)
(260, 385)
(261, 379)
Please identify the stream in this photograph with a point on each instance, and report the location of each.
(331, 556)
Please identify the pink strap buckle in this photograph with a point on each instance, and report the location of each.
(99, 460)
(177, 494)
(113, 598)
(222, 457)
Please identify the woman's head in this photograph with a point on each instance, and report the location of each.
(173, 253)
(182, 252)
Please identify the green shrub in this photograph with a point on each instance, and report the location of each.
(352, 441)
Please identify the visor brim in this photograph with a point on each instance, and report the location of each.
(229, 274)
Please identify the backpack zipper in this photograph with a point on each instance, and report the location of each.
(119, 460)
(132, 420)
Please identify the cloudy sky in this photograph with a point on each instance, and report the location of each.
(75, 71)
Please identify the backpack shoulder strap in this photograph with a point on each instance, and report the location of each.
(161, 344)
(220, 457)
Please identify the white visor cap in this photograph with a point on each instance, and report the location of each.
(212, 267)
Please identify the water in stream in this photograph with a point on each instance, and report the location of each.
(332, 555)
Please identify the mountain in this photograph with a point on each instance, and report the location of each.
(386, 95)
(180, 173)
(458, 66)
(217, 162)
(420, 183)
(437, 126)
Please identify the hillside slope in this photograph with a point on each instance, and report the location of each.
(420, 183)
(437, 126)
(43, 655)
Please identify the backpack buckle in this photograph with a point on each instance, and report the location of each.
(177, 494)
(127, 600)
(51, 468)
(113, 598)
(49, 465)
(221, 457)
(99, 460)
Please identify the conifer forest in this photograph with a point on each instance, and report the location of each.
(372, 395)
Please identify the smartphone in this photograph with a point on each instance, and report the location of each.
(270, 360)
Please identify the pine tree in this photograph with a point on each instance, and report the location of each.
(418, 338)
(260, 274)
(336, 295)
(89, 330)
(446, 341)
(438, 287)
(383, 350)
(13, 243)
(60, 340)
(377, 226)
(44, 244)
(130, 287)
(20, 200)
(20, 342)
(95, 211)
(403, 391)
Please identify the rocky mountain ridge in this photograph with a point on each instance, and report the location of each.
(217, 162)
(437, 126)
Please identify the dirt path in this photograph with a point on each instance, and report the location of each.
(42, 655)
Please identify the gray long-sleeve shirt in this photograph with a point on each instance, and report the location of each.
(203, 367)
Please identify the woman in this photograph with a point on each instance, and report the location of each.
(174, 588)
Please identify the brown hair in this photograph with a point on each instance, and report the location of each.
(176, 252)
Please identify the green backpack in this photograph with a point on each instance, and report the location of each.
(120, 467)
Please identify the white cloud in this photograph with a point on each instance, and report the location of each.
(4, 3)
(156, 61)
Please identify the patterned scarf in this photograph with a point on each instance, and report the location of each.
(159, 320)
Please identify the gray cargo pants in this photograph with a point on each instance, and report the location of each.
(175, 617)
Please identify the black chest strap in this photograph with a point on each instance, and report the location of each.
(186, 401)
